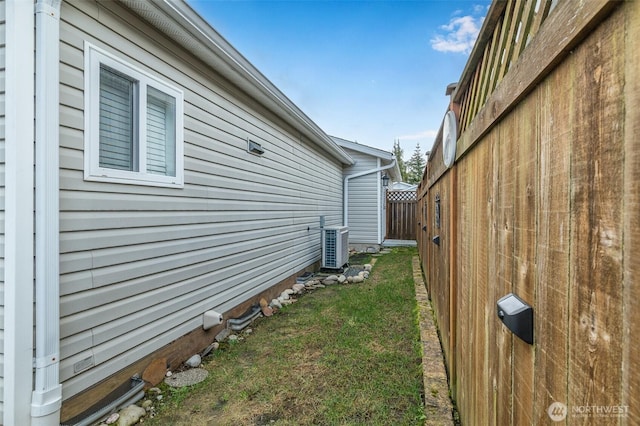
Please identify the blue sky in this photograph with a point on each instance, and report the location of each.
(366, 71)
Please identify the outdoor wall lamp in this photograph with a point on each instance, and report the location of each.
(517, 316)
(385, 180)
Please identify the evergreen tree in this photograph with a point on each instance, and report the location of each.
(397, 151)
(415, 166)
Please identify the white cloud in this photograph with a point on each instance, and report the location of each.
(460, 35)
(478, 8)
(427, 134)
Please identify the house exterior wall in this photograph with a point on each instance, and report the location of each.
(364, 200)
(140, 264)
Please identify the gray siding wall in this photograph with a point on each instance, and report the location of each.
(140, 264)
(363, 200)
(2, 93)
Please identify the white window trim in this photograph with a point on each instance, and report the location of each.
(93, 58)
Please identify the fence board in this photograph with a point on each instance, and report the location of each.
(525, 125)
(596, 220)
(504, 42)
(514, 19)
(552, 241)
(631, 295)
(401, 215)
(504, 274)
(500, 338)
(453, 284)
(473, 302)
(464, 372)
(442, 231)
(484, 309)
(525, 26)
(540, 15)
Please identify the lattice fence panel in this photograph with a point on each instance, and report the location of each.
(401, 196)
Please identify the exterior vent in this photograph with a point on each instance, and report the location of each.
(335, 247)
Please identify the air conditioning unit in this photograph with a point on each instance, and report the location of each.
(335, 246)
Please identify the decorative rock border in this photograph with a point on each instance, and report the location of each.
(438, 405)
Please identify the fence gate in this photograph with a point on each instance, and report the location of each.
(401, 215)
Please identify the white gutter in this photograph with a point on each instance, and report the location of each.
(18, 211)
(46, 399)
(345, 188)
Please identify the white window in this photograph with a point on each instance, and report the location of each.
(133, 124)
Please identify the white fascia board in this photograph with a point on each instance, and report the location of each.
(178, 21)
(364, 149)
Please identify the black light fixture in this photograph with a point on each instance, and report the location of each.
(385, 180)
(517, 315)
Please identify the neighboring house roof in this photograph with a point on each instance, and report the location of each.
(185, 26)
(386, 156)
(404, 186)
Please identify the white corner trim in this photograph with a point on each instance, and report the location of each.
(19, 218)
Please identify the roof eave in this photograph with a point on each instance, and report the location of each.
(369, 150)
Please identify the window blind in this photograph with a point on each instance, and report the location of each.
(116, 120)
(161, 140)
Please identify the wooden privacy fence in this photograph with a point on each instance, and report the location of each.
(401, 215)
(542, 201)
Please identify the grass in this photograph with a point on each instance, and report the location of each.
(344, 355)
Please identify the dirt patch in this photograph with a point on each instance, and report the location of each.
(359, 258)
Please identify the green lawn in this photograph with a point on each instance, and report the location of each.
(344, 355)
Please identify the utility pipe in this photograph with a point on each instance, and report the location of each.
(132, 396)
(345, 189)
(46, 399)
(237, 324)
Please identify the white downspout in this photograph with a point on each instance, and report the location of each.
(381, 210)
(46, 399)
(17, 351)
(345, 188)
